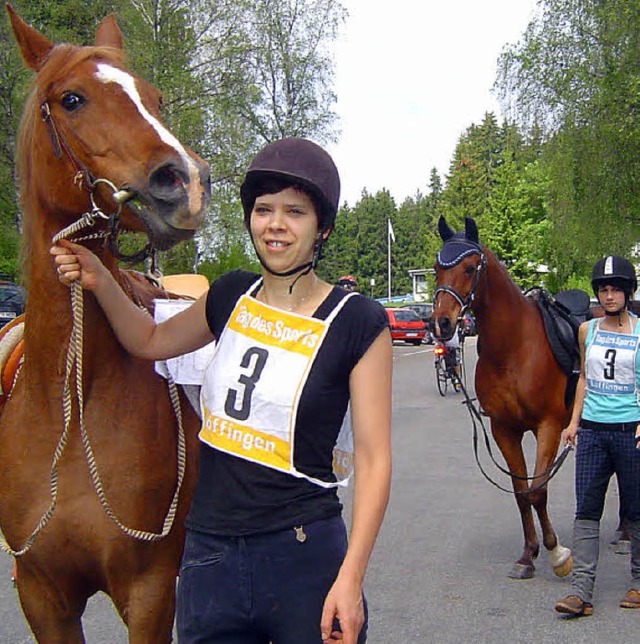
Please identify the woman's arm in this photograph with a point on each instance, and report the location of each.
(136, 330)
(370, 390)
(569, 432)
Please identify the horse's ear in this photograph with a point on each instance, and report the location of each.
(444, 230)
(34, 47)
(108, 33)
(471, 230)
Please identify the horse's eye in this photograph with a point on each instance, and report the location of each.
(72, 101)
(469, 270)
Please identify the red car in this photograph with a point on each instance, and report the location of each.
(406, 325)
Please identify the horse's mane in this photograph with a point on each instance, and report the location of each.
(61, 59)
(494, 264)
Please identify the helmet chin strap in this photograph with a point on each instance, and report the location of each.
(303, 269)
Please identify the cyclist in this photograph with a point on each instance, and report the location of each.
(348, 283)
(452, 358)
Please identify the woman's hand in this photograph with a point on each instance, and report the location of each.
(344, 602)
(568, 436)
(638, 436)
(77, 263)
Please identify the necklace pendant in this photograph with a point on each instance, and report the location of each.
(300, 534)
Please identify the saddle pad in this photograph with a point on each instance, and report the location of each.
(11, 350)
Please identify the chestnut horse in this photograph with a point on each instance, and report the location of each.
(517, 380)
(95, 475)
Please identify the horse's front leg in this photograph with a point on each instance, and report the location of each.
(51, 603)
(548, 439)
(510, 443)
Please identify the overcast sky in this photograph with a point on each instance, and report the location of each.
(411, 77)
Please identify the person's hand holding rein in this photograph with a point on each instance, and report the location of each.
(568, 436)
(77, 263)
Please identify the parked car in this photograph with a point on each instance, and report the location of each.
(424, 311)
(12, 300)
(406, 325)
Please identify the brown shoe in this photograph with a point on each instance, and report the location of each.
(631, 599)
(573, 605)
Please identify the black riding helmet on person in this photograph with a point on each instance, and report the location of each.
(302, 165)
(618, 272)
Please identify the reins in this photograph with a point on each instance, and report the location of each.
(476, 418)
(74, 359)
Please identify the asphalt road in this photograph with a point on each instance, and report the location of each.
(439, 570)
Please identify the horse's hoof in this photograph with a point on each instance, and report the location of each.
(623, 547)
(564, 568)
(522, 571)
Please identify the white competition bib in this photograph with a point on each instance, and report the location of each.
(611, 365)
(253, 384)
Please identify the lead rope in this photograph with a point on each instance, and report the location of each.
(74, 358)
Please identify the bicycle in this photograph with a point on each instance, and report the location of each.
(445, 360)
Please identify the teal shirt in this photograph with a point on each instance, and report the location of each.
(612, 371)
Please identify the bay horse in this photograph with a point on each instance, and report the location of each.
(98, 462)
(518, 383)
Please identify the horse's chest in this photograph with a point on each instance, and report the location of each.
(498, 387)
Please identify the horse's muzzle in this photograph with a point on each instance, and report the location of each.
(180, 193)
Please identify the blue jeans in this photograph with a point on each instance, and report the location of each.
(599, 455)
(259, 589)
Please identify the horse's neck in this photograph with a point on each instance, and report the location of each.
(49, 311)
(499, 308)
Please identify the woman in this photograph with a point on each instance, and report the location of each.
(266, 556)
(606, 422)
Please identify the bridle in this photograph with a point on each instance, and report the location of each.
(466, 301)
(83, 177)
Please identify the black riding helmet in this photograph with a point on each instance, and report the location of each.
(616, 271)
(301, 164)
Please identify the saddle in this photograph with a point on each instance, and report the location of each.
(562, 316)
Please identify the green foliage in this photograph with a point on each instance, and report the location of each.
(575, 78)
(233, 257)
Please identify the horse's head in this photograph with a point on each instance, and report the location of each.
(458, 267)
(87, 119)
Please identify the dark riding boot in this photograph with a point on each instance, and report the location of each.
(586, 550)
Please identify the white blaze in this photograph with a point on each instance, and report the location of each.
(109, 74)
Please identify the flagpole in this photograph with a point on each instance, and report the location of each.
(389, 259)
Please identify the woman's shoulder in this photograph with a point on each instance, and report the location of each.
(234, 282)
(362, 305)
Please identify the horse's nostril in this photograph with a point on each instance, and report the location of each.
(167, 183)
(445, 324)
(166, 178)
